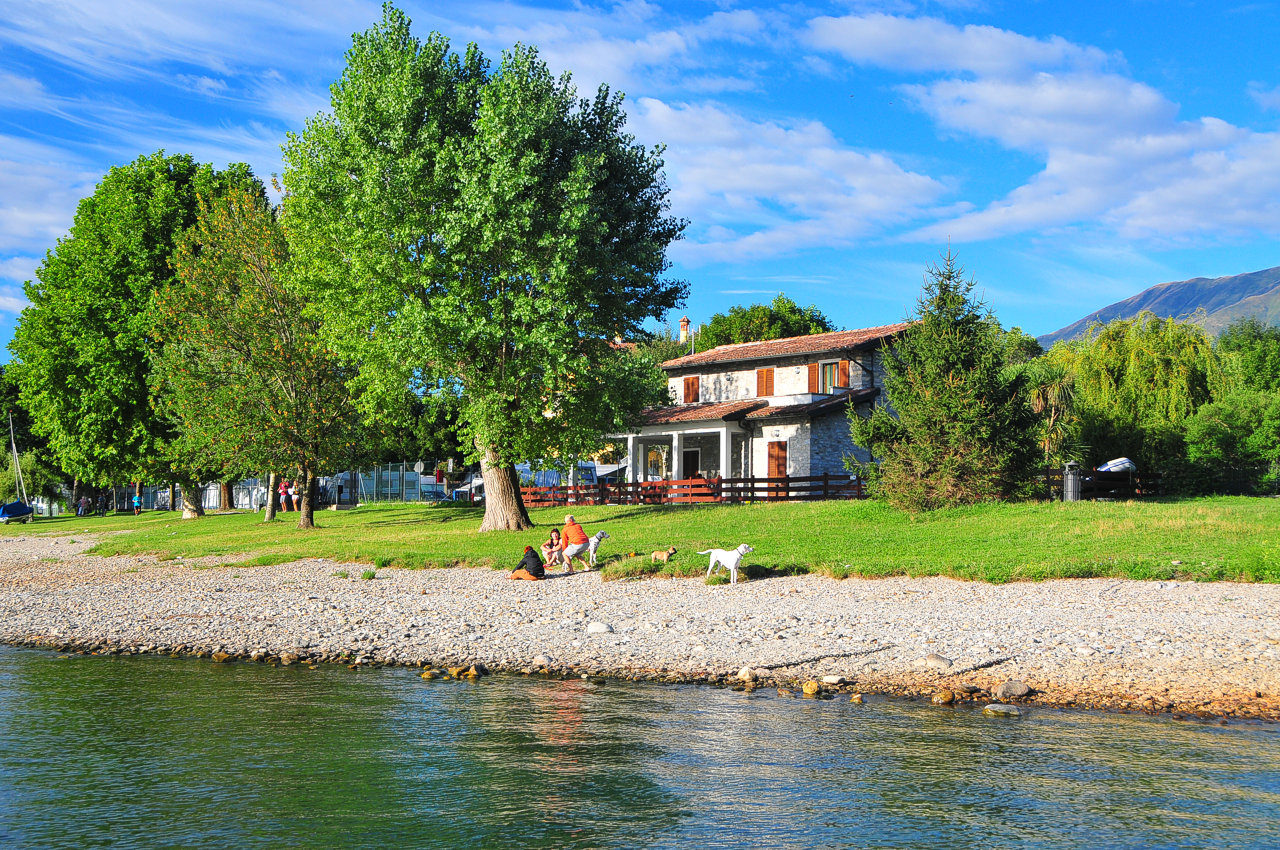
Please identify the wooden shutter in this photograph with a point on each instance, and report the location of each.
(691, 389)
(777, 458)
(815, 378)
(842, 374)
(764, 382)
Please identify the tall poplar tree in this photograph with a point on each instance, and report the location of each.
(482, 235)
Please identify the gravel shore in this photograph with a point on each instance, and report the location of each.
(1193, 649)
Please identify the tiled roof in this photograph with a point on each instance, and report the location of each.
(700, 412)
(793, 345)
(822, 405)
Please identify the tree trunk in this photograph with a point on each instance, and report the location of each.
(173, 496)
(273, 498)
(137, 491)
(503, 508)
(309, 488)
(75, 493)
(191, 507)
(227, 496)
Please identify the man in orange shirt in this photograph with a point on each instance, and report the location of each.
(573, 543)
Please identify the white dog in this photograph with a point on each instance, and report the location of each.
(593, 545)
(727, 558)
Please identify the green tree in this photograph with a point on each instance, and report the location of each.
(482, 237)
(957, 428)
(757, 322)
(83, 348)
(1136, 382)
(244, 374)
(1251, 350)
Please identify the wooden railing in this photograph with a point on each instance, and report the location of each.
(1105, 485)
(690, 491)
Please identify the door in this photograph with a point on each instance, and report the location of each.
(689, 460)
(777, 468)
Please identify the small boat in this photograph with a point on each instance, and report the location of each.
(19, 510)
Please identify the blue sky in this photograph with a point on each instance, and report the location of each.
(1071, 153)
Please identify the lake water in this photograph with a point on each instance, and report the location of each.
(159, 752)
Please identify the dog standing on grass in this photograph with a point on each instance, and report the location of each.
(593, 546)
(663, 555)
(730, 559)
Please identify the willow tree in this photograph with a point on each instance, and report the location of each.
(245, 375)
(1136, 383)
(483, 235)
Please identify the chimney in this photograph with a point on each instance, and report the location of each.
(684, 329)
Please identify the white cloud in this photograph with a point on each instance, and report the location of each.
(1265, 97)
(39, 190)
(765, 188)
(1115, 153)
(929, 44)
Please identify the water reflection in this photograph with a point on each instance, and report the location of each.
(162, 752)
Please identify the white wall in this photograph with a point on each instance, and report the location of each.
(797, 438)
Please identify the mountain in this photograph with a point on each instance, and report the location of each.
(1224, 300)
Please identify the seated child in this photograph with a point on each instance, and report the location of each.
(530, 568)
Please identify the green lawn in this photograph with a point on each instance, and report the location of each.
(1213, 538)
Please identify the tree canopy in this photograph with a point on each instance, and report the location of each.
(1135, 383)
(1250, 350)
(83, 347)
(244, 373)
(758, 322)
(482, 235)
(958, 428)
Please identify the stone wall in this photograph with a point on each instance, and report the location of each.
(832, 443)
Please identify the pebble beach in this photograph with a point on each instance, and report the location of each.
(1186, 649)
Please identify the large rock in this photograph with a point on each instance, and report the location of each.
(543, 660)
(811, 688)
(1012, 689)
(998, 710)
(598, 628)
(746, 674)
(934, 661)
(943, 698)
(833, 680)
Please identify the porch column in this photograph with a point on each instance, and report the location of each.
(726, 453)
(677, 456)
(631, 459)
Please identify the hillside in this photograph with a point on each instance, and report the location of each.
(1224, 299)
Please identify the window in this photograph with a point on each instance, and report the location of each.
(764, 382)
(691, 389)
(829, 377)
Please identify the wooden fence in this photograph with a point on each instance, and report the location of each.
(808, 488)
(1104, 485)
(692, 491)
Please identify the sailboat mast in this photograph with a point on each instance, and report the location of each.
(20, 485)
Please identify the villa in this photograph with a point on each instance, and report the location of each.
(774, 408)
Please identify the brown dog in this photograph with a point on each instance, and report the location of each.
(662, 555)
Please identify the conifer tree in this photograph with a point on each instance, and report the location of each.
(957, 428)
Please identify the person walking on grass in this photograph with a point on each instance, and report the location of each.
(573, 543)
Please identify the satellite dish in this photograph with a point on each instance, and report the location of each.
(418, 467)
